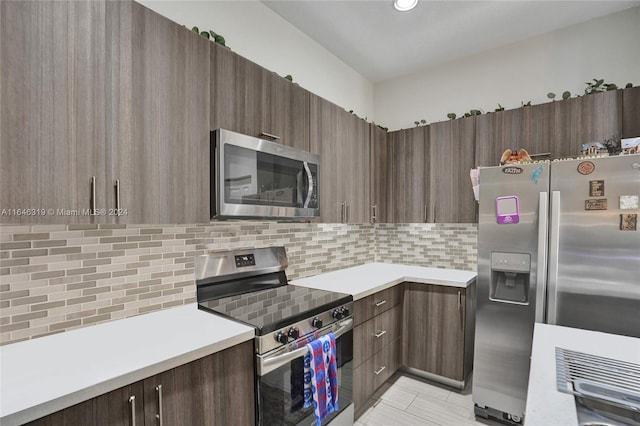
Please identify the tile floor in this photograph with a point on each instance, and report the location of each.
(406, 400)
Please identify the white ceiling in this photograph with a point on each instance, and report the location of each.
(381, 43)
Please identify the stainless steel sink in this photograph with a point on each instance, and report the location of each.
(606, 391)
(606, 405)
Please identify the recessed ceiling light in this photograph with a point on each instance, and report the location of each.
(404, 5)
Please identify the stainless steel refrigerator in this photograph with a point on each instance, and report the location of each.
(557, 243)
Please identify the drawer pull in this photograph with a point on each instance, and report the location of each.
(159, 415)
(459, 300)
(380, 333)
(379, 370)
(132, 402)
(269, 135)
(380, 303)
(92, 203)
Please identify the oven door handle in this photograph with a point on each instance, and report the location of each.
(269, 363)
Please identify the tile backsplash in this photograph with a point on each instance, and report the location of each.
(439, 245)
(60, 277)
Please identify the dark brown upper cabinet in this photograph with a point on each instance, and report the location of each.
(589, 118)
(410, 174)
(452, 145)
(249, 99)
(104, 106)
(631, 112)
(342, 141)
(157, 117)
(495, 133)
(52, 111)
(380, 175)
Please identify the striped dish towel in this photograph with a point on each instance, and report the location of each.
(321, 377)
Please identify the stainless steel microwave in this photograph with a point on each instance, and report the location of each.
(255, 178)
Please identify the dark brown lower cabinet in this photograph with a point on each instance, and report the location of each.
(377, 350)
(215, 390)
(118, 407)
(438, 327)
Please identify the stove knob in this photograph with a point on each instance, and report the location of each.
(345, 311)
(337, 314)
(293, 333)
(282, 338)
(316, 323)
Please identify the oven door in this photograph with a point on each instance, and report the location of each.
(258, 178)
(280, 388)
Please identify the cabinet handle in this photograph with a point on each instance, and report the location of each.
(159, 415)
(117, 186)
(92, 204)
(132, 403)
(347, 215)
(380, 334)
(342, 212)
(459, 300)
(379, 370)
(425, 213)
(380, 303)
(374, 213)
(269, 135)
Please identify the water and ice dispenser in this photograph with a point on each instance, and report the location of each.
(510, 275)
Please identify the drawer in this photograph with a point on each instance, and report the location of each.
(370, 306)
(370, 337)
(386, 362)
(372, 373)
(363, 384)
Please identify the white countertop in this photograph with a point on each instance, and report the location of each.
(44, 375)
(546, 406)
(364, 280)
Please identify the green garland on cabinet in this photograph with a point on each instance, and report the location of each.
(595, 86)
(211, 35)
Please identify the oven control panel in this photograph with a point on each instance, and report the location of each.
(245, 260)
(304, 328)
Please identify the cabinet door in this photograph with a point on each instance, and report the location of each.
(452, 145)
(495, 133)
(52, 110)
(380, 174)
(353, 156)
(285, 111)
(410, 175)
(324, 136)
(235, 402)
(631, 112)
(589, 118)
(433, 329)
(236, 92)
(119, 407)
(158, 116)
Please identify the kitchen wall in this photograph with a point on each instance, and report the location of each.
(562, 60)
(60, 277)
(439, 245)
(254, 31)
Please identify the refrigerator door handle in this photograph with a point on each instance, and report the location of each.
(554, 243)
(541, 271)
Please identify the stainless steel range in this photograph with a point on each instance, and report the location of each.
(250, 286)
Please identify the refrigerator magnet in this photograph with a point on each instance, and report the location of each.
(629, 202)
(628, 222)
(507, 210)
(596, 188)
(595, 204)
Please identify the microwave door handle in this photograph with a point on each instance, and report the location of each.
(309, 183)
